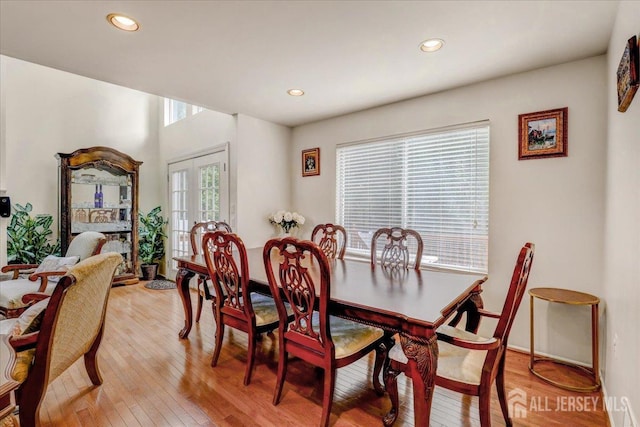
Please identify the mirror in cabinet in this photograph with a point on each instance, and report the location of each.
(98, 188)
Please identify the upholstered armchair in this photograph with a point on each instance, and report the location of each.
(56, 331)
(44, 277)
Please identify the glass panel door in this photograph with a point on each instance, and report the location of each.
(198, 191)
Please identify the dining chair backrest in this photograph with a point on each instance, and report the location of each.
(226, 258)
(332, 239)
(516, 291)
(197, 232)
(298, 274)
(395, 253)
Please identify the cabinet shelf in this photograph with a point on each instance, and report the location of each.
(101, 227)
(107, 178)
(88, 206)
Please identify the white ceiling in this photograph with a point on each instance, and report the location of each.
(242, 56)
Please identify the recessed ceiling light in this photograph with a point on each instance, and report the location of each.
(295, 92)
(431, 45)
(123, 22)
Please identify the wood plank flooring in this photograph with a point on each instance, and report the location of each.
(152, 378)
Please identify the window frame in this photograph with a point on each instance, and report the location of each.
(474, 255)
(169, 107)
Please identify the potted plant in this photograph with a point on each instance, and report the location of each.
(151, 242)
(29, 238)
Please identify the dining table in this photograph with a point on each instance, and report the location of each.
(411, 303)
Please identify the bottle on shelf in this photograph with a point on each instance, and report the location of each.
(96, 198)
(100, 199)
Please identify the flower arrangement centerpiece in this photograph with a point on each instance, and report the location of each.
(286, 220)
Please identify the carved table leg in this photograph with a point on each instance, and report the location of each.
(422, 367)
(182, 284)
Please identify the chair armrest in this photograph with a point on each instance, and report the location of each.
(24, 342)
(18, 268)
(487, 313)
(44, 278)
(34, 297)
(45, 274)
(487, 344)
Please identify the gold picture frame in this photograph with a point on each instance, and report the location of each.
(543, 134)
(627, 75)
(311, 162)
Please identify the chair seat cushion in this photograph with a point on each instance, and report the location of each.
(23, 358)
(9, 420)
(348, 336)
(264, 308)
(454, 363)
(12, 291)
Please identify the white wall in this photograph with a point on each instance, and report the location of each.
(264, 158)
(47, 111)
(557, 203)
(195, 133)
(621, 284)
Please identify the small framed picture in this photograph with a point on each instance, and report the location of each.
(627, 75)
(311, 162)
(543, 134)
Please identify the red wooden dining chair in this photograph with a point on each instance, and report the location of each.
(298, 274)
(195, 237)
(395, 253)
(332, 239)
(235, 304)
(469, 363)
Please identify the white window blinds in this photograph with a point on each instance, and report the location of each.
(436, 183)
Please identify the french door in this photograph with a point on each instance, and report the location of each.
(198, 191)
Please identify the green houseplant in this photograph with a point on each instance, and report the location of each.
(151, 232)
(29, 238)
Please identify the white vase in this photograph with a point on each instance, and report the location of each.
(291, 233)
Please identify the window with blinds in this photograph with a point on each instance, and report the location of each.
(435, 182)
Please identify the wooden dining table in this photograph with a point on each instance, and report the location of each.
(412, 303)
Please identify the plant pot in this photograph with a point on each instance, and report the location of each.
(149, 271)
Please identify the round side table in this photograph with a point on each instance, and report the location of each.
(565, 296)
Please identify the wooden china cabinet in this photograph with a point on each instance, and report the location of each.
(99, 192)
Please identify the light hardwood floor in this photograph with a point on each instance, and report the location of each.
(152, 378)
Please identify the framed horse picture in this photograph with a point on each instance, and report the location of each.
(543, 134)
